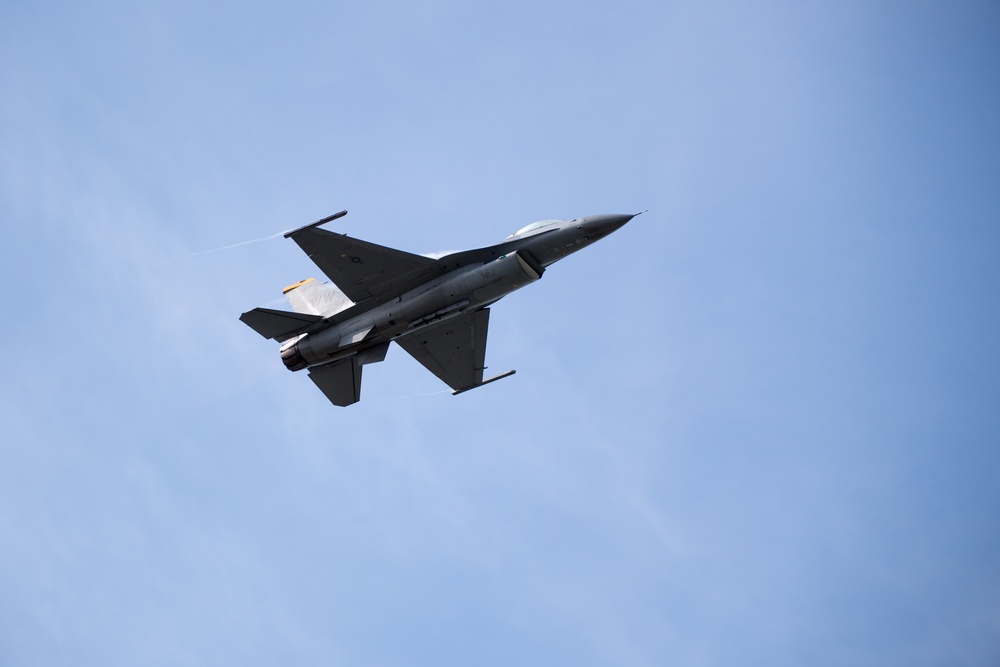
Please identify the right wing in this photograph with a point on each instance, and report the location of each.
(454, 350)
(364, 270)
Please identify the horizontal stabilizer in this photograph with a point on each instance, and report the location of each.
(340, 381)
(277, 324)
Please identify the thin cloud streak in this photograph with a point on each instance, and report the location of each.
(220, 249)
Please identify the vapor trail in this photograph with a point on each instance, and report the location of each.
(225, 247)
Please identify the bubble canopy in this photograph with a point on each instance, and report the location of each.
(535, 226)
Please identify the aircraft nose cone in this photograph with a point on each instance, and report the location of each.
(602, 225)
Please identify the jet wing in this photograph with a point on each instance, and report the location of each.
(454, 350)
(340, 381)
(364, 270)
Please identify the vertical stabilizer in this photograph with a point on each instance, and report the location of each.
(316, 298)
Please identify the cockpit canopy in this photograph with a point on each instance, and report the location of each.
(533, 227)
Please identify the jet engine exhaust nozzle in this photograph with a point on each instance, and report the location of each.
(291, 356)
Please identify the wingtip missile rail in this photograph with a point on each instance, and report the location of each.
(325, 220)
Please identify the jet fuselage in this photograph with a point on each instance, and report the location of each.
(436, 309)
(465, 289)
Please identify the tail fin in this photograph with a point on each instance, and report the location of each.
(315, 298)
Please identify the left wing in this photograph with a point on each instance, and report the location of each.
(454, 350)
(364, 270)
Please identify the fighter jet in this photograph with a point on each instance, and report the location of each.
(435, 309)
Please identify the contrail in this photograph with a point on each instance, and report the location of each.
(225, 247)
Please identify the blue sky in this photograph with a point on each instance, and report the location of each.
(757, 425)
